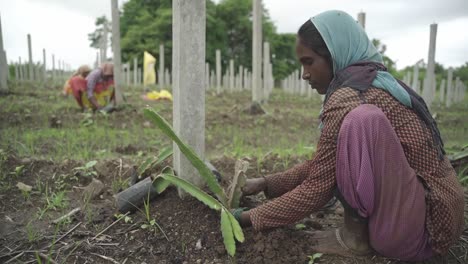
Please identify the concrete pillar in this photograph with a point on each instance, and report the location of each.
(207, 76)
(188, 69)
(429, 87)
(415, 82)
(128, 73)
(266, 61)
(44, 64)
(456, 91)
(362, 19)
(218, 71)
(231, 75)
(247, 81)
(98, 61)
(116, 50)
(161, 71)
(135, 71)
(241, 77)
(21, 74)
(17, 78)
(449, 97)
(53, 67)
(442, 92)
(30, 56)
(3, 64)
(271, 81)
(167, 78)
(303, 82)
(139, 76)
(257, 51)
(213, 79)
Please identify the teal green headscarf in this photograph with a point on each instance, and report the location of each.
(348, 43)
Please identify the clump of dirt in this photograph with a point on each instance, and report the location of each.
(126, 150)
(255, 109)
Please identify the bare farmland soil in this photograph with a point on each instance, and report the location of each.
(46, 142)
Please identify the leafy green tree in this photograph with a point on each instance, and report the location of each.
(462, 72)
(283, 53)
(96, 37)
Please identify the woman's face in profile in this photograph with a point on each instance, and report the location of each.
(317, 69)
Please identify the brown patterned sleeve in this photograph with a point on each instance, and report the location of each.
(311, 183)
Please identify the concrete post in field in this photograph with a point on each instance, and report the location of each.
(98, 61)
(266, 61)
(21, 74)
(167, 78)
(257, 51)
(59, 70)
(241, 77)
(116, 50)
(449, 97)
(415, 83)
(139, 76)
(31, 70)
(135, 71)
(247, 82)
(53, 67)
(429, 84)
(362, 19)
(24, 70)
(303, 82)
(44, 64)
(456, 90)
(218, 71)
(161, 80)
(207, 76)
(128, 73)
(188, 70)
(231, 75)
(17, 77)
(213, 79)
(407, 78)
(3, 64)
(442, 92)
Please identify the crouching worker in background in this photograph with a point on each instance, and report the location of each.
(92, 89)
(99, 94)
(76, 85)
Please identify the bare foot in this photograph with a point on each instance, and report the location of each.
(327, 242)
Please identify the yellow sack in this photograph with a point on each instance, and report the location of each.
(154, 95)
(149, 75)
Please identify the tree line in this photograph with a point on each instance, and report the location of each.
(145, 24)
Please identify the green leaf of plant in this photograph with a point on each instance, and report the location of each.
(164, 154)
(160, 184)
(145, 165)
(236, 228)
(204, 171)
(226, 230)
(300, 226)
(90, 164)
(194, 191)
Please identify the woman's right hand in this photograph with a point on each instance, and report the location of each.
(254, 186)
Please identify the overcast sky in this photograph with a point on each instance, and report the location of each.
(62, 26)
